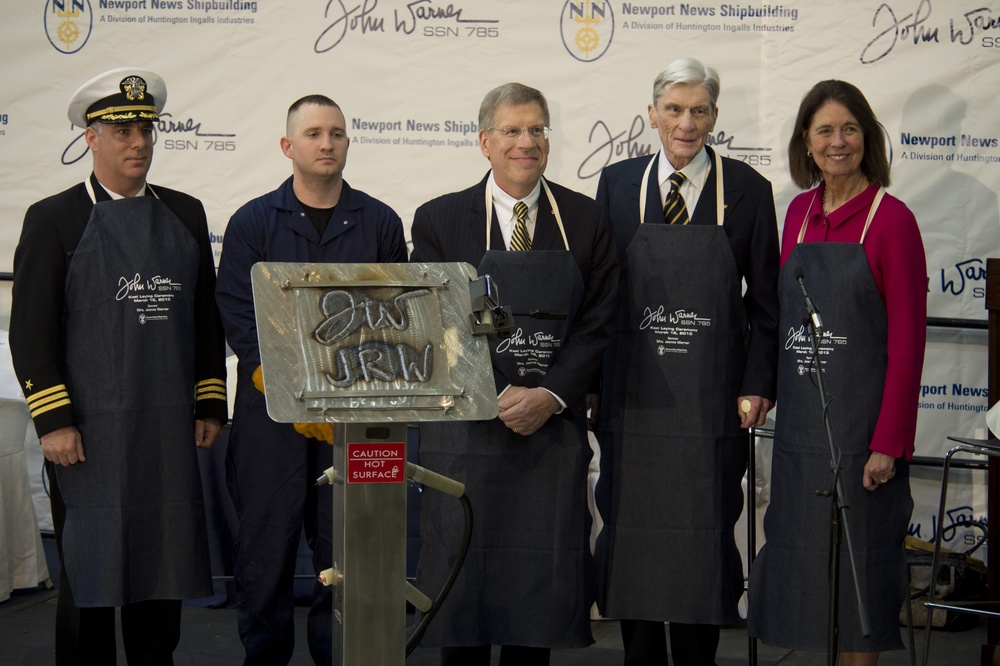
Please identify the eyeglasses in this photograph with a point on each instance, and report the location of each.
(515, 133)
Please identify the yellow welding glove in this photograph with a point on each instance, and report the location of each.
(321, 431)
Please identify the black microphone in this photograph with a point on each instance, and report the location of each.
(810, 308)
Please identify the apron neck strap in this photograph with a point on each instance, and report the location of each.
(868, 222)
(93, 196)
(719, 193)
(552, 202)
(871, 212)
(805, 218)
(644, 187)
(720, 206)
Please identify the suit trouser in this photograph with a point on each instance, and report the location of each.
(151, 630)
(690, 644)
(271, 472)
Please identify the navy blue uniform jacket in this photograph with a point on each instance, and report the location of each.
(274, 227)
(52, 229)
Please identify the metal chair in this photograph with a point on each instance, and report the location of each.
(983, 447)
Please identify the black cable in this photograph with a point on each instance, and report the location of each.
(980, 540)
(418, 632)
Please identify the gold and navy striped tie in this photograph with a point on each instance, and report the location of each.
(674, 210)
(520, 240)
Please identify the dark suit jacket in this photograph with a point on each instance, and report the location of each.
(453, 228)
(52, 229)
(752, 229)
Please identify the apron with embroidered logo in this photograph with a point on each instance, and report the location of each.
(135, 519)
(789, 588)
(526, 579)
(667, 551)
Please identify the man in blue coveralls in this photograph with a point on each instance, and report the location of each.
(314, 216)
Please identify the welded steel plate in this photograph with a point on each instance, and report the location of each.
(371, 343)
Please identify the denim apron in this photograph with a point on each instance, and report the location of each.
(667, 551)
(527, 577)
(789, 590)
(135, 518)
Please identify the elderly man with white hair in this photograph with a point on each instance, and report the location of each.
(692, 366)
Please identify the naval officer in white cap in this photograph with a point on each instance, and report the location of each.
(119, 349)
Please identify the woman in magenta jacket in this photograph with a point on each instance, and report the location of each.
(859, 252)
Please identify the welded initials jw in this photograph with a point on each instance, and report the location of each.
(345, 313)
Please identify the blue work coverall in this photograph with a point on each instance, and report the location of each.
(270, 468)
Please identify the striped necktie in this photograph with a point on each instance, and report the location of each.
(674, 210)
(520, 240)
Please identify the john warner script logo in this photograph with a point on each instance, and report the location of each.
(68, 24)
(587, 28)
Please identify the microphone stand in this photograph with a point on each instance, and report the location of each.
(839, 526)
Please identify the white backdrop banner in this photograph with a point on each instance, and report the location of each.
(410, 75)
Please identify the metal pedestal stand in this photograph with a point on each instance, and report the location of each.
(369, 348)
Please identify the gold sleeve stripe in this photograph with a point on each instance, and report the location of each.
(210, 389)
(211, 382)
(62, 395)
(46, 408)
(45, 404)
(201, 387)
(59, 389)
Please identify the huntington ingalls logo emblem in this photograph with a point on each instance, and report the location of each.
(68, 24)
(587, 27)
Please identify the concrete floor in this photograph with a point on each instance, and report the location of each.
(209, 637)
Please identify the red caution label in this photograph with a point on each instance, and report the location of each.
(379, 462)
